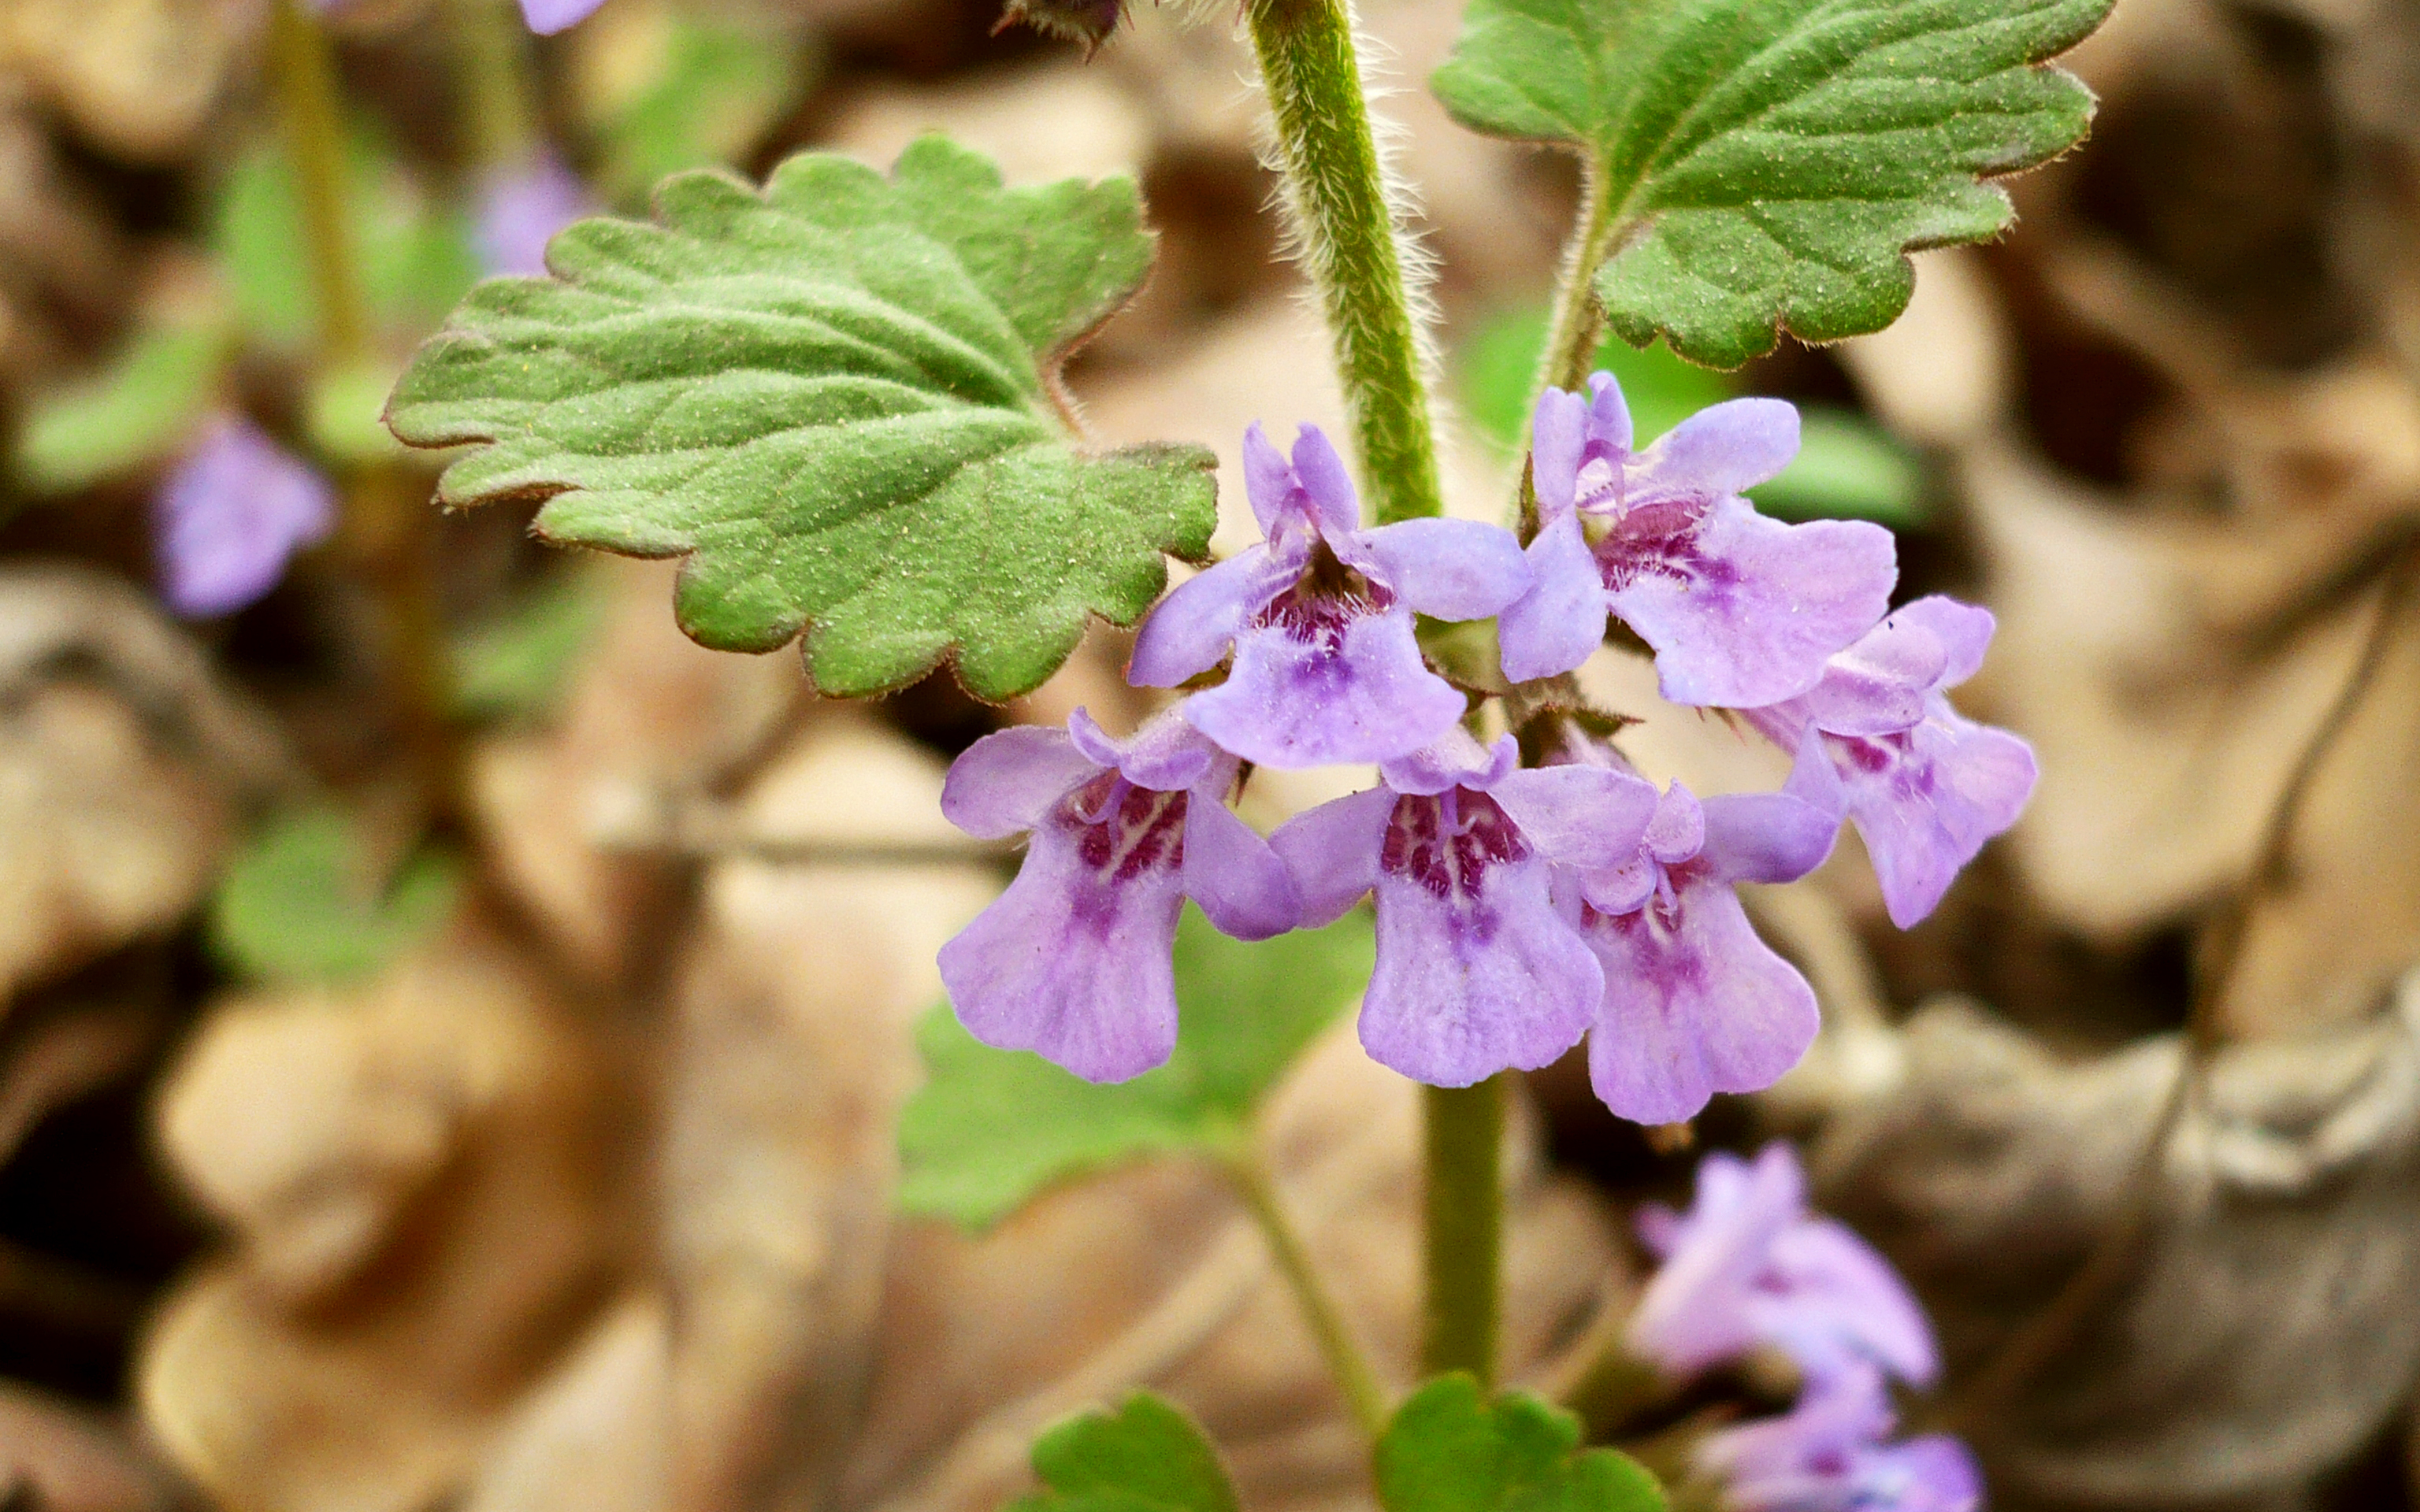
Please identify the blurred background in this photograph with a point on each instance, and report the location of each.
(549, 1164)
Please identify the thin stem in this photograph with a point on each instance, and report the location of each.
(497, 94)
(1339, 195)
(1249, 1175)
(1466, 1228)
(1577, 329)
(2050, 1332)
(304, 73)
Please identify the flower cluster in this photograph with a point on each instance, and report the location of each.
(1748, 1267)
(1520, 907)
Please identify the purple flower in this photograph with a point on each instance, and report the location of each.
(1876, 739)
(1320, 617)
(1741, 609)
(1477, 970)
(1072, 960)
(1827, 1453)
(520, 209)
(547, 16)
(1695, 1003)
(1747, 1265)
(230, 513)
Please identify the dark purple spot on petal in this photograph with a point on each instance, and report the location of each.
(1127, 830)
(1447, 842)
(1320, 607)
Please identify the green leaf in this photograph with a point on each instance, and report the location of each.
(1449, 1451)
(1847, 466)
(1145, 1457)
(989, 1128)
(416, 258)
(302, 903)
(1767, 163)
(141, 409)
(515, 665)
(710, 88)
(833, 398)
(344, 409)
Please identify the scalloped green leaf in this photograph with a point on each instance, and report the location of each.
(1767, 164)
(834, 398)
(1449, 1450)
(1145, 1457)
(990, 1128)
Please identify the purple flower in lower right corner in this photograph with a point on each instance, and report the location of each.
(1695, 1002)
(231, 514)
(1831, 1452)
(1748, 1266)
(1478, 968)
(1877, 741)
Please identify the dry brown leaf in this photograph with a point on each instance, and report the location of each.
(70, 1460)
(124, 771)
(441, 1152)
(138, 76)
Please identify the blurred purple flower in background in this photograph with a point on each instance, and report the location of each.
(520, 209)
(1695, 1002)
(1830, 1454)
(1073, 961)
(1741, 609)
(1477, 970)
(1320, 617)
(1748, 1266)
(229, 515)
(547, 16)
(1876, 739)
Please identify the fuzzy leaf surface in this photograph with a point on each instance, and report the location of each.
(990, 1128)
(1449, 1450)
(832, 397)
(1768, 163)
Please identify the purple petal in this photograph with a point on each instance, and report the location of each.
(1695, 1004)
(1809, 1459)
(1332, 852)
(1963, 630)
(1746, 610)
(1726, 449)
(547, 16)
(1454, 760)
(1166, 754)
(1583, 816)
(1933, 1474)
(1471, 980)
(1233, 873)
(1561, 621)
(520, 209)
(1005, 783)
(1678, 829)
(1072, 962)
(1327, 483)
(1351, 689)
(1830, 1302)
(1691, 1316)
(1269, 483)
(1608, 416)
(1453, 569)
(231, 514)
(1879, 684)
(1767, 837)
(1189, 631)
(1558, 434)
(1927, 800)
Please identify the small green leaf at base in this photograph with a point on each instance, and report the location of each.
(1767, 164)
(142, 409)
(301, 903)
(990, 1128)
(1450, 1451)
(834, 400)
(1145, 1457)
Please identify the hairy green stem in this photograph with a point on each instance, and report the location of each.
(497, 94)
(304, 73)
(1364, 1396)
(1578, 326)
(1465, 1213)
(1338, 194)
